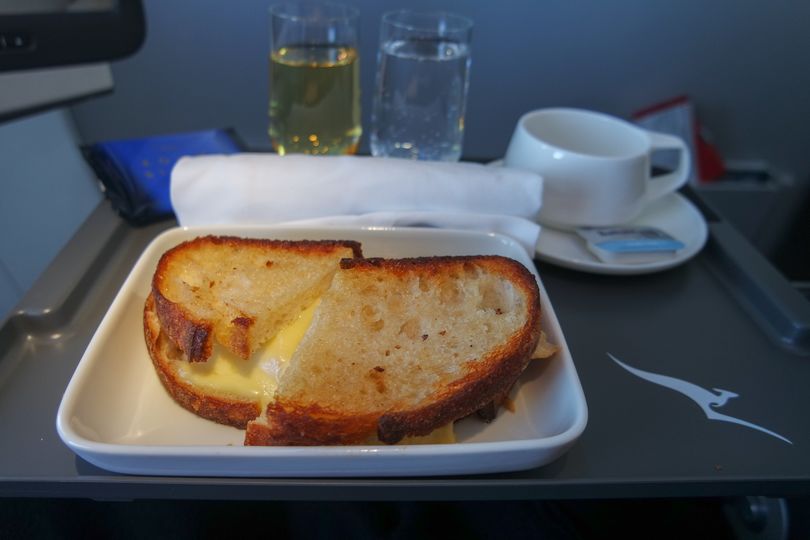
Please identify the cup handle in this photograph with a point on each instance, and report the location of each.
(667, 183)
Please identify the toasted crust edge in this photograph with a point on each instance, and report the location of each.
(308, 426)
(194, 336)
(223, 410)
(294, 424)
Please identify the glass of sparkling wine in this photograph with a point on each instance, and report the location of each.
(314, 79)
(423, 69)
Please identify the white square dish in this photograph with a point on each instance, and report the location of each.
(116, 414)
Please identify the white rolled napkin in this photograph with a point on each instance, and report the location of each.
(263, 189)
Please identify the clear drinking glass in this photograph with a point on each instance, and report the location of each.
(423, 70)
(314, 79)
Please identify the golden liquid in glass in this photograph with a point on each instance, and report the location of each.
(315, 100)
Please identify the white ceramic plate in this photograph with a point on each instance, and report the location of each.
(672, 213)
(116, 415)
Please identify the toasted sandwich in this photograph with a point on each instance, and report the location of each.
(307, 343)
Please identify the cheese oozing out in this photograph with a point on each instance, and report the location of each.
(258, 377)
(441, 435)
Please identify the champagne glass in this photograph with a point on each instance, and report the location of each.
(314, 79)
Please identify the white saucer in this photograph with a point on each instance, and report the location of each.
(673, 214)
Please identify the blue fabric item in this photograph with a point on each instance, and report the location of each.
(136, 172)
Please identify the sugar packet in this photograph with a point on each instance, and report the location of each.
(630, 244)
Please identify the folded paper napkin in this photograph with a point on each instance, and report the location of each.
(319, 191)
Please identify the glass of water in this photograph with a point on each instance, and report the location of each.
(421, 88)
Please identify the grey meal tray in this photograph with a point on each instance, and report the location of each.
(723, 323)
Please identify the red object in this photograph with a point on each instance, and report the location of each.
(710, 163)
(677, 117)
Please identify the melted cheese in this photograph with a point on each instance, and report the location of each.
(442, 435)
(256, 378)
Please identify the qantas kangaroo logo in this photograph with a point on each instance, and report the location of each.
(708, 400)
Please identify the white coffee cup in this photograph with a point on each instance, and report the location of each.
(595, 167)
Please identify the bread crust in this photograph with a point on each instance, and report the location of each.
(296, 425)
(193, 335)
(221, 409)
(489, 379)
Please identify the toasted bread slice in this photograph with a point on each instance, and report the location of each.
(401, 347)
(239, 291)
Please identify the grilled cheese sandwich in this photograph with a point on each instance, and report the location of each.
(433, 340)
